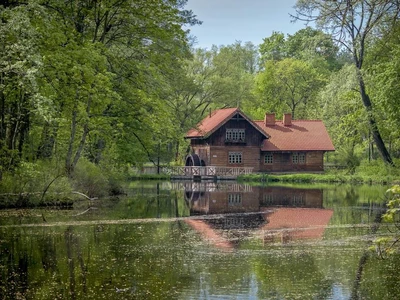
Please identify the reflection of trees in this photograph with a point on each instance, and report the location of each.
(167, 260)
(348, 211)
(47, 250)
(74, 253)
(13, 266)
(290, 276)
(387, 287)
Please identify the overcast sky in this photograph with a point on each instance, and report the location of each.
(227, 21)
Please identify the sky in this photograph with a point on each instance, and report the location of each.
(227, 21)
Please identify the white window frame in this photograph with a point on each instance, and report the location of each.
(234, 199)
(269, 158)
(235, 157)
(268, 199)
(295, 158)
(235, 134)
(298, 158)
(302, 158)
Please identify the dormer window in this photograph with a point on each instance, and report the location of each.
(235, 135)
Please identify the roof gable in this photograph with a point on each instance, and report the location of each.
(217, 119)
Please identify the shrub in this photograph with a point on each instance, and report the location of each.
(389, 245)
(90, 179)
(31, 184)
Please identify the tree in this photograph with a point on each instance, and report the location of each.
(288, 84)
(273, 47)
(85, 79)
(217, 78)
(389, 245)
(314, 46)
(383, 63)
(344, 116)
(307, 44)
(352, 23)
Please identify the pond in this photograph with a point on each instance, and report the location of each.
(204, 240)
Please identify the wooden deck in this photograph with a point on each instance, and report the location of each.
(208, 172)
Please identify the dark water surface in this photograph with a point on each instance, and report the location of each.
(202, 241)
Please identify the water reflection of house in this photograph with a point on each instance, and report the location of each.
(276, 213)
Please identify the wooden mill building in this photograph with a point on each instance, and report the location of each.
(228, 138)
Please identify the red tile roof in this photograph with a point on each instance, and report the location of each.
(211, 123)
(298, 222)
(215, 120)
(210, 234)
(302, 135)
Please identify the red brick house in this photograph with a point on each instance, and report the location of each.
(228, 138)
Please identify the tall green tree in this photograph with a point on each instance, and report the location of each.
(288, 85)
(20, 100)
(273, 47)
(344, 116)
(307, 44)
(383, 64)
(217, 78)
(351, 24)
(85, 78)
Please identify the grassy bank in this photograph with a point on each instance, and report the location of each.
(374, 172)
(149, 177)
(318, 178)
(44, 183)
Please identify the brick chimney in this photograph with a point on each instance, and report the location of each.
(269, 119)
(287, 119)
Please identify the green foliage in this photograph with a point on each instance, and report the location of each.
(90, 180)
(377, 169)
(150, 177)
(33, 184)
(118, 86)
(375, 172)
(370, 20)
(308, 44)
(345, 118)
(383, 64)
(389, 245)
(288, 85)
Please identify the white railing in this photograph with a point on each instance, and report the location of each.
(206, 171)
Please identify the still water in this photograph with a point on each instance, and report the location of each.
(202, 241)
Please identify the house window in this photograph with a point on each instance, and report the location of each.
(234, 199)
(235, 135)
(299, 158)
(298, 200)
(268, 199)
(268, 158)
(302, 158)
(235, 157)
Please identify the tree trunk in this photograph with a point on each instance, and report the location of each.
(3, 112)
(71, 163)
(68, 160)
(372, 122)
(47, 141)
(81, 145)
(177, 151)
(24, 131)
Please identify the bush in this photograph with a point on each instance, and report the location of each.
(32, 184)
(378, 171)
(90, 180)
(389, 245)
